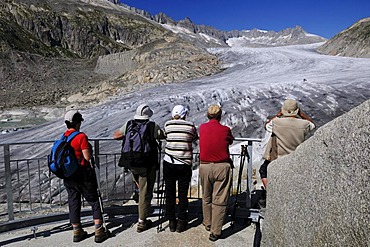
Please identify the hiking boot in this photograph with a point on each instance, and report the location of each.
(181, 225)
(214, 237)
(262, 203)
(101, 234)
(79, 234)
(172, 225)
(143, 226)
(207, 227)
(262, 200)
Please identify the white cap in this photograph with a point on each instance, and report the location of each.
(180, 111)
(73, 115)
(143, 112)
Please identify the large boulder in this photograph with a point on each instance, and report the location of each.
(319, 195)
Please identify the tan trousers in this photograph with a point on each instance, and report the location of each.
(215, 179)
(145, 178)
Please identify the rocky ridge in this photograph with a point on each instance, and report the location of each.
(50, 48)
(352, 42)
(208, 36)
(288, 36)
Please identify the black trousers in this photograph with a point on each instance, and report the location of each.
(182, 175)
(82, 183)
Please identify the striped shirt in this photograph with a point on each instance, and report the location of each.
(180, 135)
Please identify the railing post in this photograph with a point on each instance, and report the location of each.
(97, 161)
(8, 182)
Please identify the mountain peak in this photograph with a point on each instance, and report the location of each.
(261, 38)
(209, 36)
(162, 18)
(187, 19)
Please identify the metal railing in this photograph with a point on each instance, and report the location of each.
(26, 185)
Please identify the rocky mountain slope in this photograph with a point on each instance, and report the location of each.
(352, 42)
(49, 51)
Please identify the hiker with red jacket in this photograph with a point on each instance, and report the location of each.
(215, 171)
(83, 182)
(289, 128)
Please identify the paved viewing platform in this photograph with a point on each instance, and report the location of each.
(123, 229)
(36, 204)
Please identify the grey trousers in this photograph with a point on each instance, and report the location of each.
(145, 177)
(216, 181)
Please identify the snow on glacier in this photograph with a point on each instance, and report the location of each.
(253, 86)
(251, 89)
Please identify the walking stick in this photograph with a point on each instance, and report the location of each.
(99, 193)
(161, 196)
(161, 203)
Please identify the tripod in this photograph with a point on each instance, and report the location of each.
(243, 155)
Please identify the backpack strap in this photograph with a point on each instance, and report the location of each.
(129, 124)
(71, 136)
(69, 140)
(151, 134)
(62, 137)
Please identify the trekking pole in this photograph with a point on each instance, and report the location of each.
(238, 186)
(161, 196)
(161, 203)
(159, 164)
(99, 194)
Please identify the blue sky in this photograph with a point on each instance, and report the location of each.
(322, 17)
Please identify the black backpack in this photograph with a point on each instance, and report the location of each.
(139, 148)
(62, 160)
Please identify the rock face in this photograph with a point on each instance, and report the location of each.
(171, 59)
(352, 42)
(83, 28)
(49, 49)
(319, 195)
(211, 37)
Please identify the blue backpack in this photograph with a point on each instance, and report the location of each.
(62, 160)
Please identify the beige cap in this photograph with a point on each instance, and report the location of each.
(290, 108)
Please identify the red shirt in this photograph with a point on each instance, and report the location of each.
(79, 143)
(214, 141)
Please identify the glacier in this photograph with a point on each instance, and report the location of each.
(250, 89)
